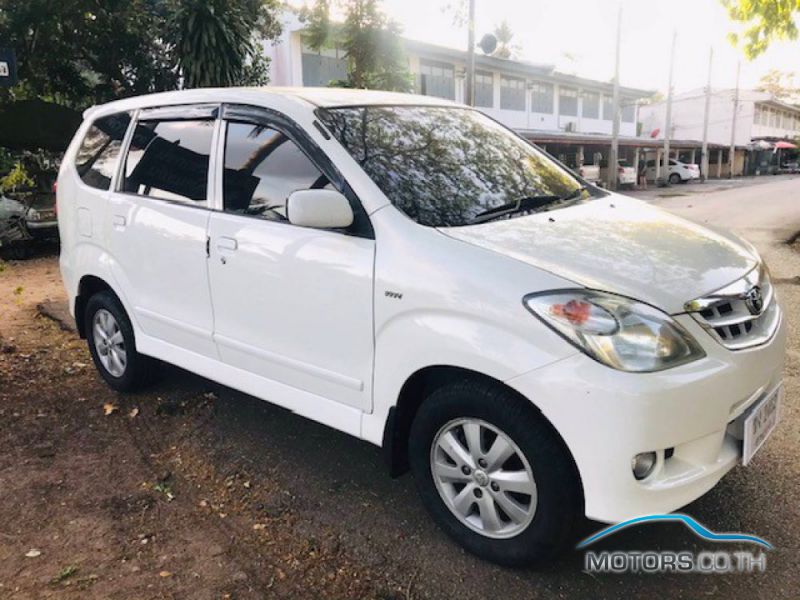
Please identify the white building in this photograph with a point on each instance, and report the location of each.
(758, 116)
(528, 97)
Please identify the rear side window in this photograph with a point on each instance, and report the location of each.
(169, 160)
(96, 158)
(262, 167)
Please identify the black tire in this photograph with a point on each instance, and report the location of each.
(559, 506)
(674, 178)
(140, 370)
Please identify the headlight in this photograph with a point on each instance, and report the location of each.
(616, 331)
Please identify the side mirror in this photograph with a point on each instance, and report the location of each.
(323, 209)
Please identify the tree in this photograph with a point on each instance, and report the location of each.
(781, 85)
(505, 48)
(764, 22)
(82, 52)
(370, 40)
(216, 43)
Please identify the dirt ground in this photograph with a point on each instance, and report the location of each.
(191, 490)
(111, 496)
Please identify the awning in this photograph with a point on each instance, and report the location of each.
(785, 145)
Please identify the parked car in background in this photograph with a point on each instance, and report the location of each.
(626, 175)
(790, 166)
(679, 172)
(590, 173)
(410, 272)
(25, 219)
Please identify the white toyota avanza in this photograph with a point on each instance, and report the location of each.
(408, 271)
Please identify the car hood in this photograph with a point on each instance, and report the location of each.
(620, 245)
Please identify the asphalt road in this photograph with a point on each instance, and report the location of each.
(338, 481)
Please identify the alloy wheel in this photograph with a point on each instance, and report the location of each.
(109, 343)
(483, 478)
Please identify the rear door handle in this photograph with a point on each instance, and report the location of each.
(227, 243)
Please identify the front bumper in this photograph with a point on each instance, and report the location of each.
(606, 417)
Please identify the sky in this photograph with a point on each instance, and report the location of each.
(550, 31)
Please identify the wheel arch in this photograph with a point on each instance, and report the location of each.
(418, 386)
(88, 286)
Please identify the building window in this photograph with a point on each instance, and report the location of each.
(773, 118)
(542, 98)
(512, 93)
(568, 102)
(320, 70)
(628, 111)
(591, 105)
(484, 89)
(436, 79)
(608, 108)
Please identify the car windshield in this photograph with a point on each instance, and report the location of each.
(446, 167)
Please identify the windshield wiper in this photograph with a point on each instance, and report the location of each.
(526, 204)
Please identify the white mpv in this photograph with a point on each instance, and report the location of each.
(406, 270)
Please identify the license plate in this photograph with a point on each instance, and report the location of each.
(760, 422)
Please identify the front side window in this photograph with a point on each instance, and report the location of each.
(262, 167)
(97, 156)
(169, 160)
(449, 166)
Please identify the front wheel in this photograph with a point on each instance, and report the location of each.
(494, 474)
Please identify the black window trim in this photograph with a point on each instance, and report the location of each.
(261, 115)
(173, 112)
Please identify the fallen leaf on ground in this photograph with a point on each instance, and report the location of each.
(33, 553)
(109, 408)
(165, 574)
(258, 526)
(133, 413)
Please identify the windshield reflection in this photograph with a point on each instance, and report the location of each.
(446, 166)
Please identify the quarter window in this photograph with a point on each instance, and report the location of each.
(97, 156)
(169, 160)
(262, 167)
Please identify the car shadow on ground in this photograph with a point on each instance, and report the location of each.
(337, 481)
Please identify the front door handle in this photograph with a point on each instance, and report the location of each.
(227, 243)
(119, 221)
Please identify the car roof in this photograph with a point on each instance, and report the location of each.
(308, 96)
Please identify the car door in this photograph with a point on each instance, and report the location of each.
(291, 304)
(158, 225)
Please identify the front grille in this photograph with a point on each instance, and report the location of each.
(733, 315)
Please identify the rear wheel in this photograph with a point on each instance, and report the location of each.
(493, 473)
(112, 345)
(674, 178)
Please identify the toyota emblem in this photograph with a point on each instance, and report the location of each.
(754, 300)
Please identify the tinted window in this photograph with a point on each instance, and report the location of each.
(447, 166)
(96, 158)
(169, 159)
(262, 167)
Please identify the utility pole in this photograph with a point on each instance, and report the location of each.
(704, 153)
(470, 88)
(668, 119)
(614, 154)
(732, 153)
